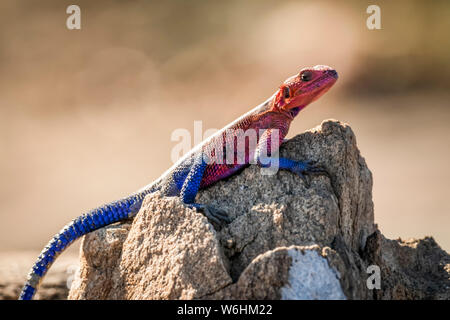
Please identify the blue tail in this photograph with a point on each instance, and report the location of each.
(93, 220)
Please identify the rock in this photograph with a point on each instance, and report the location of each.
(286, 241)
(411, 269)
(295, 272)
(171, 263)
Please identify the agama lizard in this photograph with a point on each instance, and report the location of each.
(196, 170)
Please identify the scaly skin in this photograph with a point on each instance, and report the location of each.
(204, 165)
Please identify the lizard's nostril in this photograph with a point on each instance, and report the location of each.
(332, 73)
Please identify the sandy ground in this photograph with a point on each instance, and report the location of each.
(14, 267)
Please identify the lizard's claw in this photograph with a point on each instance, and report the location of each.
(306, 168)
(305, 178)
(216, 216)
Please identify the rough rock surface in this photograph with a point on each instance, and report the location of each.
(285, 241)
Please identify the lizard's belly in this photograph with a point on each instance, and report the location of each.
(216, 172)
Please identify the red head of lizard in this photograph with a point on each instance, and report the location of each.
(300, 90)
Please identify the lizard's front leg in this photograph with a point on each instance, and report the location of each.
(190, 189)
(302, 168)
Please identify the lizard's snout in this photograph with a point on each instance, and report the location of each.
(332, 73)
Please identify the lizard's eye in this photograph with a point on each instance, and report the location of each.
(306, 76)
(286, 92)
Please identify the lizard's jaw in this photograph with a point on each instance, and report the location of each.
(311, 92)
(292, 112)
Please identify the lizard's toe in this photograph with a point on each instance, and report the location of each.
(307, 168)
(219, 214)
(317, 170)
(217, 217)
(305, 178)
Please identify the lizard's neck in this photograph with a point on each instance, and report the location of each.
(274, 120)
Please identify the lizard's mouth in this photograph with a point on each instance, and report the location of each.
(308, 94)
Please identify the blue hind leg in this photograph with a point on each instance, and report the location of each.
(190, 189)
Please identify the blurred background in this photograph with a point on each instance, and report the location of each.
(86, 115)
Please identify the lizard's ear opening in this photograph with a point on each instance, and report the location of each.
(286, 92)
